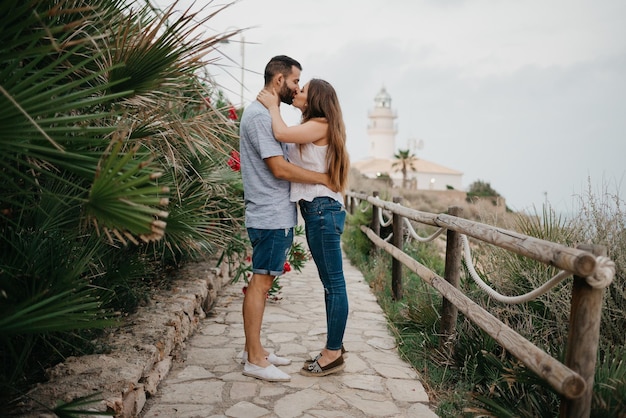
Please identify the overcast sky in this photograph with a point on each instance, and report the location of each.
(529, 96)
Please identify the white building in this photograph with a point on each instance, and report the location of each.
(382, 139)
(382, 130)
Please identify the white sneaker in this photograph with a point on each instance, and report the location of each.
(272, 358)
(270, 373)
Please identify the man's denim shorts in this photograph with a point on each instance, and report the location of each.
(269, 249)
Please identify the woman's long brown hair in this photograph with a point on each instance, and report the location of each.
(322, 102)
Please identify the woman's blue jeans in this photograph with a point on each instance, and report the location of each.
(324, 219)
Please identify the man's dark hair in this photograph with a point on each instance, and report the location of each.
(280, 64)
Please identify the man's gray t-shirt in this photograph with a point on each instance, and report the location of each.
(266, 197)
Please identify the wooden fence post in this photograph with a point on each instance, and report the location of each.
(351, 205)
(396, 265)
(582, 340)
(452, 274)
(375, 225)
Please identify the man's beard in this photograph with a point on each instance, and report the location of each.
(286, 94)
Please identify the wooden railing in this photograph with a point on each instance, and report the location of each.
(572, 380)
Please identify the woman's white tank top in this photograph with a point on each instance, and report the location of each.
(312, 157)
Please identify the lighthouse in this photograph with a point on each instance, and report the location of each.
(382, 128)
(382, 163)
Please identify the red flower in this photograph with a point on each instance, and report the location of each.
(234, 161)
(248, 259)
(244, 289)
(232, 113)
(286, 267)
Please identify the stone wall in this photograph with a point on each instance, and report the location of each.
(142, 349)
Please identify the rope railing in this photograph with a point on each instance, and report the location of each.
(604, 273)
(382, 221)
(416, 237)
(533, 294)
(602, 277)
(592, 272)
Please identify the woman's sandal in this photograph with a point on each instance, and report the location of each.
(343, 353)
(314, 368)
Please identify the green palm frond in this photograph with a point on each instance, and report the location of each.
(75, 408)
(68, 310)
(208, 210)
(406, 160)
(46, 271)
(609, 392)
(51, 124)
(45, 282)
(53, 104)
(159, 49)
(124, 200)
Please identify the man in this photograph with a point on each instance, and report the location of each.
(270, 215)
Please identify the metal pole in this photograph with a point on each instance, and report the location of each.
(243, 57)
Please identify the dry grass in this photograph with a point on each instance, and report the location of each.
(480, 363)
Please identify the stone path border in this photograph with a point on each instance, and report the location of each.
(141, 351)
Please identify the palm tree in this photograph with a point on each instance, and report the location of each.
(406, 161)
(113, 166)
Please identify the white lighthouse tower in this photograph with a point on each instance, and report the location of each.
(382, 130)
(381, 162)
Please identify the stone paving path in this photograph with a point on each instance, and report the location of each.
(376, 382)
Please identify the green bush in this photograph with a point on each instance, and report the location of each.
(113, 171)
(356, 243)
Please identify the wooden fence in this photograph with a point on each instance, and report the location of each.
(591, 271)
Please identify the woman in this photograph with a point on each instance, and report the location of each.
(321, 147)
